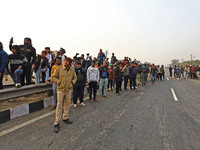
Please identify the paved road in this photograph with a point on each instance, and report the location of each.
(144, 119)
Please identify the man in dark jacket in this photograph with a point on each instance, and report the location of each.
(133, 75)
(78, 88)
(30, 53)
(3, 63)
(113, 59)
(118, 77)
(18, 62)
(83, 62)
(42, 65)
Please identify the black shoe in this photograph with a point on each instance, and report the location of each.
(67, 121)
(56, 128)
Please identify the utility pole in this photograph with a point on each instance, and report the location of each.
(191, 56)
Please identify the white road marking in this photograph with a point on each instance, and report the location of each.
(174, 95)
(28, 122)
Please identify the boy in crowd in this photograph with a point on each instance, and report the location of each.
(17, 63)
(54, 85)
(92, 78)
(103, 80)
(78, 89)
(118, 77)
(42, 65)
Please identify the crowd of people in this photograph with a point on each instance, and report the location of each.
(74, 74)
(185, 72)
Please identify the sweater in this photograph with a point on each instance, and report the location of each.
(92, 74)
(17, 60)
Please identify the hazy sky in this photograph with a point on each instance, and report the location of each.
(149, 30)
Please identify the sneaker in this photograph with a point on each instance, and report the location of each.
(96, 100)
(82, 104)
(67, 121)
(90, 101)
(56, 128)
(136, 87)
(75, 105)
(105, 96)
(17, 85)
(99, 96)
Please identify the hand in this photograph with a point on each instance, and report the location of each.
(11, 41)
(45, 69)
(20, 67)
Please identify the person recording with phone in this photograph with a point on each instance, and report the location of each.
(30, 53)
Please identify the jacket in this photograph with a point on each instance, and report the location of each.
(133, 71)
(65, 79)
(92, 74)
(104, 72)
(17, 60)
(3, 60)
(81, 75)
(28, 51)
(45, 63)
(126, 71)
(118, 74)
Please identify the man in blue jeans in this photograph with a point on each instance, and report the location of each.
(18, 62)
(153, 73)
(42, 65)
(103, 80)
(3, 63)
(54, 85)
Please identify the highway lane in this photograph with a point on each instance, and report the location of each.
(147, 118)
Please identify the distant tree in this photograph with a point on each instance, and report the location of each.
(174, 62)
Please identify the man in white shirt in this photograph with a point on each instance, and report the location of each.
(92, 78)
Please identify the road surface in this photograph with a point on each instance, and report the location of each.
(149, 118)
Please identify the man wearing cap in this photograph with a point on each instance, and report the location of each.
(18, 62)
(62, 55)
(30, 53)
(3, 63)
(65, 78)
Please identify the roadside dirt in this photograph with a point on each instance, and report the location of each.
(7, 104)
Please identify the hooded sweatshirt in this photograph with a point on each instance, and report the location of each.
(3, 60)
(92, 74)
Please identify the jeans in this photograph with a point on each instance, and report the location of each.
(78, 91)
(143, 78)
(26, 73)
(133, 81)
(16, 75)
(38, 75)
(126, 81)
(103, 85)
(92, 87)
(153, 75)
(54, 87)
(110, 84)
(118, 83)
(1, 79)
(187, 75)
(170, 73)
